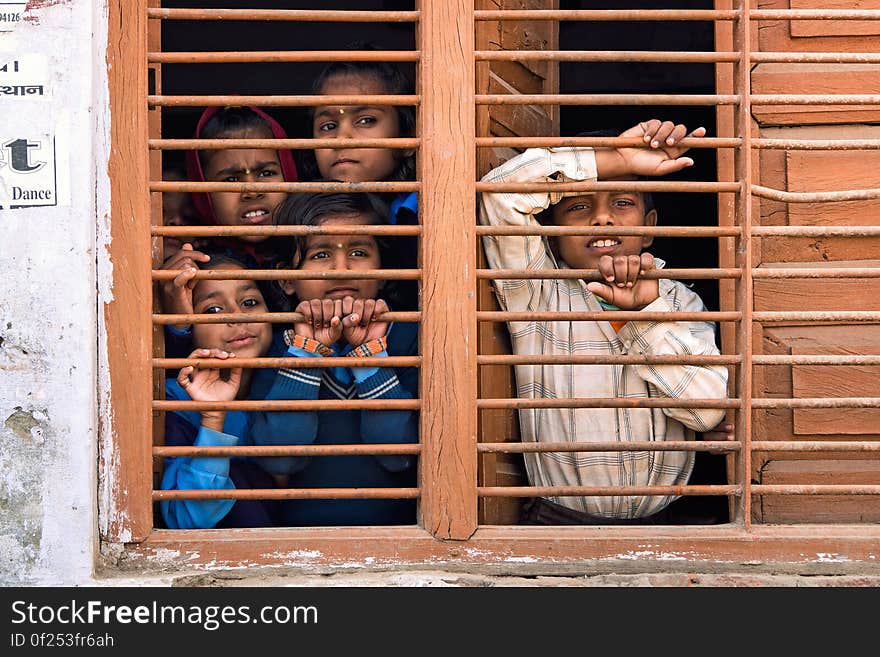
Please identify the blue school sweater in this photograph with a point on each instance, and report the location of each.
(183, 428)
(342, 427)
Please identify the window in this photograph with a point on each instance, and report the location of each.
(794, 251)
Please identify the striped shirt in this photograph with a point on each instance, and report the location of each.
(641, 468)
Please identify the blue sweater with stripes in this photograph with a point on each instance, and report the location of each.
(341, 427)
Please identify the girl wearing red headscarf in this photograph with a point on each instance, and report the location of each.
(229, 208)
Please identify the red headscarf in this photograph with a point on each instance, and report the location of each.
(202, 200)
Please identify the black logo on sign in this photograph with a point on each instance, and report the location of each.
(18, 156)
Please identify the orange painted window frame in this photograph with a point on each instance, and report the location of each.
(448, 532)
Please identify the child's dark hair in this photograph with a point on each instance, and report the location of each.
(232, 120)
(229, 255)
(310, 209)
(394, 82)
(545, 217)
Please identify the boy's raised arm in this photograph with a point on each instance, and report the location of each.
(519, 208)
(663, 157)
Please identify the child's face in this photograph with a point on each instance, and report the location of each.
(245, 165)
(246, 340)
(338, 252)
(622, 209)
(355, 122)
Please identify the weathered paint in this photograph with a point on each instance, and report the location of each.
(48, 330)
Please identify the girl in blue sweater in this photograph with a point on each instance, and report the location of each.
(342, 318)
(221, 428)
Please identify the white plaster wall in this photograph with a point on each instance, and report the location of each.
(48, 320)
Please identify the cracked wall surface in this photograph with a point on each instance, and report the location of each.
(47, 306)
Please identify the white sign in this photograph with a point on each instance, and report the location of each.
(10, 14)
(28, 166)
(24, 77)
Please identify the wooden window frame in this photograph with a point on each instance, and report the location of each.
(449, 530)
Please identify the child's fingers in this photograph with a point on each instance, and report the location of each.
(633, 269)
(235, 377)
(676, 134)
(649, 129)
(351, 320)
(606, 268)
(671, 166)
(604, 292)
(369, 310)
(662, 134)
(335, 329)
(646, 262)
(305, 307)
(316, 306)
(621, 266)
(381, 307)
(328, 310)
(184, 278)
(347, 306)
(357, 308)
(183, 375)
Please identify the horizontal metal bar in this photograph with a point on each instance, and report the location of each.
(287, 362)
(604, 15)
(277, 56)
(814, 359)
(814, 446)
(665, 99)
(289, 405)
(643, 15)
(818, 489)
(611, 142)
(548, 274)
(288, 494)
(817, 402)
(665, 231)
(817, 316)
(816, 57)
(304, 15)
(286, 450)
(602, 491)
(278, 144)
(275, 318)
(606, 359)
(683, 57)
(814, 14)
(311, 100)
(605, 315)
(816, 231)
(278, 231)
(235, 187)
(604, 99)
(614, 446)
(607, 185)
(817, 144)
(814, 197)
(815, 99)
(668, 402)
(290, 275)
(804, 272)
(607, 402)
